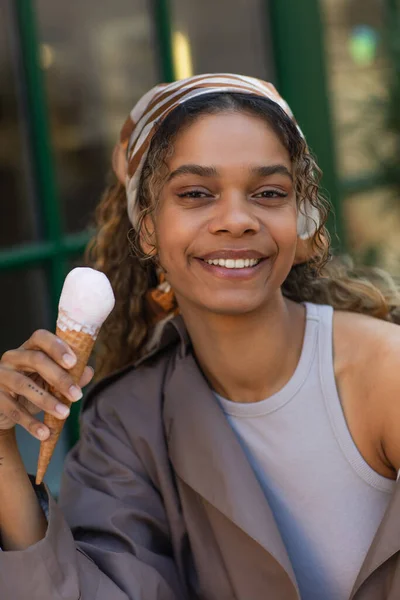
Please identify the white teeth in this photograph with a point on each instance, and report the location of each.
(230, 263)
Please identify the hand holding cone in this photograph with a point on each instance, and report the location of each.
(85, 303)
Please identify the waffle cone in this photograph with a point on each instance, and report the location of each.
(82, 344)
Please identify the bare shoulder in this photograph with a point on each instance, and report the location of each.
(366, 341)
(367, 368)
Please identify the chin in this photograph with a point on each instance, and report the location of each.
(234, 306)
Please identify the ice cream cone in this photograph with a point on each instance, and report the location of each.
(86, 301)
(82, 344)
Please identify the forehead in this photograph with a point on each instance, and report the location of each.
(228, 137)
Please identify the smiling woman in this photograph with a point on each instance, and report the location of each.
(250, 441)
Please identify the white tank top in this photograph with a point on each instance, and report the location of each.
(327, 501)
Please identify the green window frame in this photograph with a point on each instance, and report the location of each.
(298, 41)
(56, 248)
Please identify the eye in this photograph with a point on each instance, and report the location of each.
(194, 194)
(271, 194)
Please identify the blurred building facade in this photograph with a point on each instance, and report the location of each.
(70, 72)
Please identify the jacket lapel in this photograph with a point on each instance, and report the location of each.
(385, 543)
(207, 456)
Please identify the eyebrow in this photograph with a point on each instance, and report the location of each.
(266, 171)
(202, 171)
(193, 170)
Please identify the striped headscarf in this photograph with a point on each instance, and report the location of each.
(136, 135)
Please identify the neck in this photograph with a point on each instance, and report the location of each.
(249, 357)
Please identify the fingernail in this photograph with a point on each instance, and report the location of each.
(62, 409)
(42, 432)
(75, 392)
(69, 360)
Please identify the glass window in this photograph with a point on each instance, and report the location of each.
(23, 306)
(18, 221)
(364, 88)
(373, 228)
(98, 59)
(222, 36)
(359, 71)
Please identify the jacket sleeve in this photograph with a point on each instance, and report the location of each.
(108, 537)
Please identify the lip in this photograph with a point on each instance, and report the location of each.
(244, 274)
(232, 253)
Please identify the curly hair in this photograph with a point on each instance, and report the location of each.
(116, 247)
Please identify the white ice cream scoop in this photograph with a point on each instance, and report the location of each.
(86, 301)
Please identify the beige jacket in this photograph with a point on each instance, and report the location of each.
(158, 502)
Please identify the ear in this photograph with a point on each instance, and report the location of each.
(148, 236)
(119, 163)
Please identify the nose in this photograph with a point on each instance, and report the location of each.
(234, 214)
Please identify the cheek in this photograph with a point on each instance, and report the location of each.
(173, 239)
(176, 229)
(283, 226)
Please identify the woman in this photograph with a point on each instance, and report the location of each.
(246, 444)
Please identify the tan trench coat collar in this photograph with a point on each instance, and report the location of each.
(219, 471)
